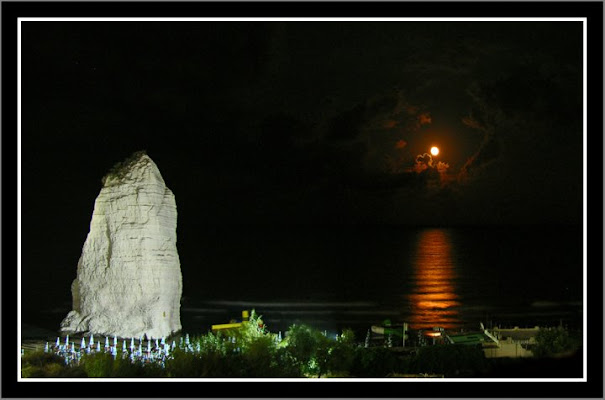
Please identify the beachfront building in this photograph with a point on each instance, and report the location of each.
(513, 342)
(508, 342)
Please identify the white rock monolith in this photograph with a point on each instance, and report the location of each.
(129, 281)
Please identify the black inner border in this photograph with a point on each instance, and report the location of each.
(593, 11)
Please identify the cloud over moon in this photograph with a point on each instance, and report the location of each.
(425, 162)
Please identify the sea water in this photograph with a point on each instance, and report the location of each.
(335, 277)
(357, 276)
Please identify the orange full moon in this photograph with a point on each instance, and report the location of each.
(434, 150)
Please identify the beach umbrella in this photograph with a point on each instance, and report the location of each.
(163, 341)
(187, 339)
(99, 345)
(73, 347)
(58, 342)
(67, 341)
(92, 340)
(83, 344)
(157, 345)
(46, 348)
(149, 346)
(173, 345)
(115, 340)
(124, 345)
(131, 344)
(106, 342)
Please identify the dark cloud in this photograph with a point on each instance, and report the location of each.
(381, 127)
(424, 118)
(488, 151)
(347, 126)
(400, 144)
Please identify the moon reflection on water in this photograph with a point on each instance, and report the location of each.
(433, 300)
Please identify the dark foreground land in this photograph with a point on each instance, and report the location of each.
(569, 366)
(363, 363)
(252, 352)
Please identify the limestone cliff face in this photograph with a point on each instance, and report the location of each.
(129, 281)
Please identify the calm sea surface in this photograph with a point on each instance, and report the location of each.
(334, 278)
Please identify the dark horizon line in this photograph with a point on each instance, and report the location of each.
(390, 225)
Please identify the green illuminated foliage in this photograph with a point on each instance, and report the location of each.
(341, 357)
(251, 351)
(184, 365)
(43, 365)
(259, 358)
(302, 342)
(98, 365)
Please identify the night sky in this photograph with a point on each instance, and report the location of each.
(287, 123)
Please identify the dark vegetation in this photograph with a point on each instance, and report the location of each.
(253, 352)
(555, 341)
(46, 365)
(569, 366)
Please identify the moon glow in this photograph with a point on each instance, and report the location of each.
(434, 150)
